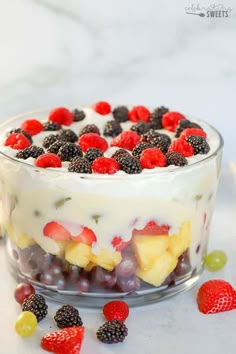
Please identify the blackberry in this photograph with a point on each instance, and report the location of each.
(78, 115)
(80, 165)
(162, 142)
(112, 128)
(140, 147)
(49, 140)
(184, 124)
(174, 158)
(149, 136)
(51, 126)
(36, 303)
(199, 144)
(140, 128)
(67, 135)
(112, 332)
(129, 164)
(117, 154)
(67, 316)
(68, 151)
(32, 151)
(156, 116)
(89, 128)
(19, 130)
(121, 114)
(92, 153)
(54, 148)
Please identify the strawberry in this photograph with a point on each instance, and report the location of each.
(192, 131)
(48, 160)
(17, 141)
(102, 107)
(182, 147)
(105, 165)
(92, 140)
(61, 115)
(32, 126)
(153, 228)
(152, 157)
(116, 310)
(87, 236)
(56, 231)
(216, 296)
(126, 140)
(170, 120)
(118, 243)
(139, 113)
(65, 341)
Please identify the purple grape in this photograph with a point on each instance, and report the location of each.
(170, 280)
(105, 278)
(83, 284)
(128, 284)
(73, 274)
(183, 266)
(61, 284)
(127, 266)
(47, 278)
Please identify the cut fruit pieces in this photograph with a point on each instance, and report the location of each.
(180, 242)
(78, 253)
(107, 259)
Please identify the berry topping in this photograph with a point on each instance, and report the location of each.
(151, 158)
(92, 153)
(68, 151)
(183, 124)
(67, 316)
(138, 113)
(170, 120)
(26, 324)
(116, 310)
(112, 332)
(182, 147)
(216, 296)
(80, 165)
(78, 115)
(67, 135)
(89, 128)
(32, 151)
(54, 148)
(49, 140)
(48, 160)
(153, 228)
(22, 291)
(17, 141)
(32, 126)
(126, 140)
(215, 260)
(61, 115)
(192, 131)
(56, 231)
(150, 136)
(105, 165)
(129, 164)
(36, 304)
(51, 126)
(139, 148)
(162, 142)
(102, 107)
(117, 154)
(64, 341)
(199, 144)
(175, 158)
(18, 130)
(118, 243)
(112, 128)
(140, 127)
(156, 116)
(90, 140)
(86, 236)
(121, 114)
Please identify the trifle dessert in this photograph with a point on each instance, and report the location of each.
(108, 201)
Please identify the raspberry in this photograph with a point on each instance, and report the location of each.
(140, 128)
(102, 107)
(17, 141)
(170, 120)
(126, 140)
(32, 126)
(67, 135)
(199, 144)
(105, 165)
(192, 131)
(78, 115)
(49, 140)
(121, 114)
(51, 126)
(152, 157)
(90, 140)
(181, 146)
(138, 113)
(48, 160)
(129, 164)
(174, 158)
(18, 130)
(140, 147)
(112, 128)
(92, 153)
(31, 151)
(156, 116)
(89, 128)
(68, 151)
(116, 310)
(183, 124)
(80, 165)
(61, 115)
(54, 148)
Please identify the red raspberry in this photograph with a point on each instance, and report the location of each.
(48, 160)
(126, 140)
(182, 147)
(138, 113)
(192, 131)
(102, 108)
(105, 165)
(170, 120)
(92, 140)
(32, 126)
(152, 157)
(17, 141)
(61, 115)
(116, 310)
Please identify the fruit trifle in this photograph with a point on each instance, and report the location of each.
(108, 201)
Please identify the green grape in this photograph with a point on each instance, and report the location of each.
(215, 260)
(26, 324)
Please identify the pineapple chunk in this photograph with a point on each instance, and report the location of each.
(89, 267)
(161, 268)
(21, 240)
(148, 248)
(179, 243)
(107, 259)
(78, 253)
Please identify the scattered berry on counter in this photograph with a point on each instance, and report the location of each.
(68, 151)
(22, 291)
(61, 115)
(192, 131)
(182, 147)
(102, 107)
(116, 310)
(175, 158)
(215, 260)
(90, 140)
(54, 148)
(36, 304)
(126, 140)
(67, 135)
(199, 144)
(49, 140)
(156, 116)
(112, 128)
(89, 128)
(92, 153)
(78, 115)
(170, 120)
(105, 165)
(140, 127)
(26, 324)
(19, 130)
(216, 296)
(139, 148)
(138, 113)
(31, 151)
(152, 157)
(121, 114)
(17, 141)
(184, 124)
(112, 332)
(51, 126)
(67, 316)
(80, 165)
(32, 126)
(48, 160)
(129, 164)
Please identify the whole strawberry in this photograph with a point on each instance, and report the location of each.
(116, 310)
(216, 296)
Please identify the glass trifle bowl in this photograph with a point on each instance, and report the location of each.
(108, 202)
